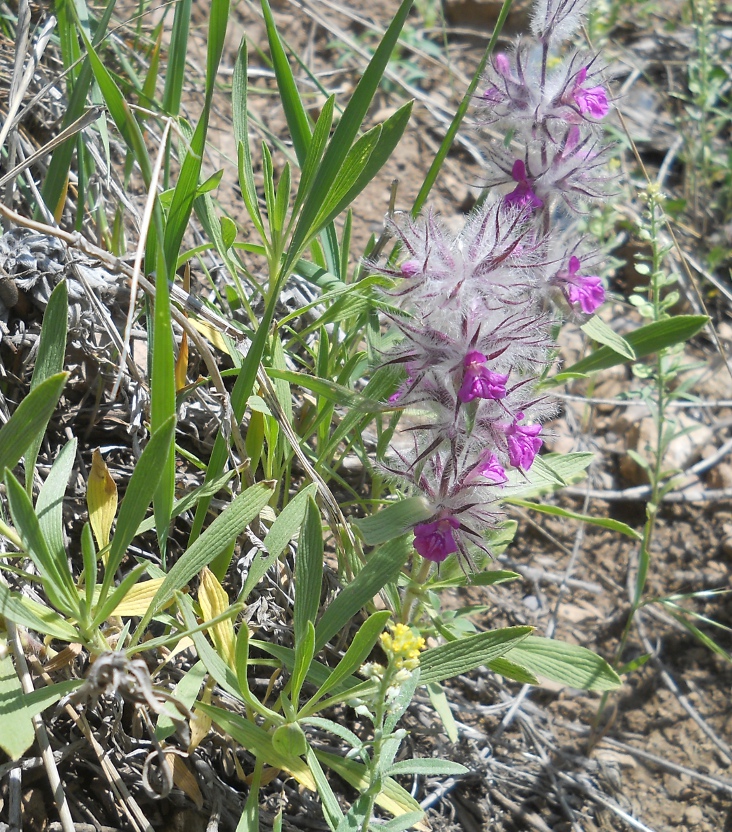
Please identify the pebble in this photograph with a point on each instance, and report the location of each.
(693, 815)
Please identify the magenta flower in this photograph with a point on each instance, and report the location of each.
(435, 541)
(592, 101)
(522, 196)
(479, 382)
(523, 443)
(488, 467)
(585, 290)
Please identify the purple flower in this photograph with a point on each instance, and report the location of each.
(435, 541)
(502, 65)
(523, 443)
(522, 196)
(479, 382)
(488, 467)
(410, 268)
(585, 290)
(592, 101)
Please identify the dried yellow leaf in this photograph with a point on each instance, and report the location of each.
(184, 778)
(138, 598)
(101, 499)
(214, 602)
(181, 364)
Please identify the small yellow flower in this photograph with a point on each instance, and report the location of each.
(402, 646)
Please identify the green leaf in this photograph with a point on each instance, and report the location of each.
(241, 135)
(50, 358)
(295, 113)
(599, 331)
(289, 740)
(21, 610)
(186, 692)
(511, 670)
(258, 742)
(214, 664)
(361, 646)
(175, 72)
(428, 767)
(53, 569)
(284, 528)
(565, 663)
(140, 490)
(394, 520)
(29, 420)
(16, 724)
(315, 152)
(602, 522)
(18, 708)
(392, 797)
(104, 607)
(440, 703)
(225, 528)
(644, 341)
(467, 101)
(304, 652)
(343, 137)
(389, 136)
(50, 502)
(553, 471)
(382, 567)
(308, 571)
(331, 808)
(466, 654)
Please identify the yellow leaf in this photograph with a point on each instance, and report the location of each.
(201, 722)
(181, 364)
(210, 334)
(138, 598)
(101, 499)
(214, 602)
(184, 778)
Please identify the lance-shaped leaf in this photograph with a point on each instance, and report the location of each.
(101, 499)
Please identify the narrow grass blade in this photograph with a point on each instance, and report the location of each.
(241, 135)
(361, 646)
(175, 73)
(345, 134)
(80, 79)
(602, 522)
(295, 113)
(452, 130)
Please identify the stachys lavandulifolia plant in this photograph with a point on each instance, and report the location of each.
(476, 310)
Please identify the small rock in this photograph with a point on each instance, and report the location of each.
(673, 786)
(693, 815)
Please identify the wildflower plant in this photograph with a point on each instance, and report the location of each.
(477, 312)
(475, 316)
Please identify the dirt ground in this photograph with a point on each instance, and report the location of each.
(659, 757)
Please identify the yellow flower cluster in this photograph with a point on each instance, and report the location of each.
(402, 647)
